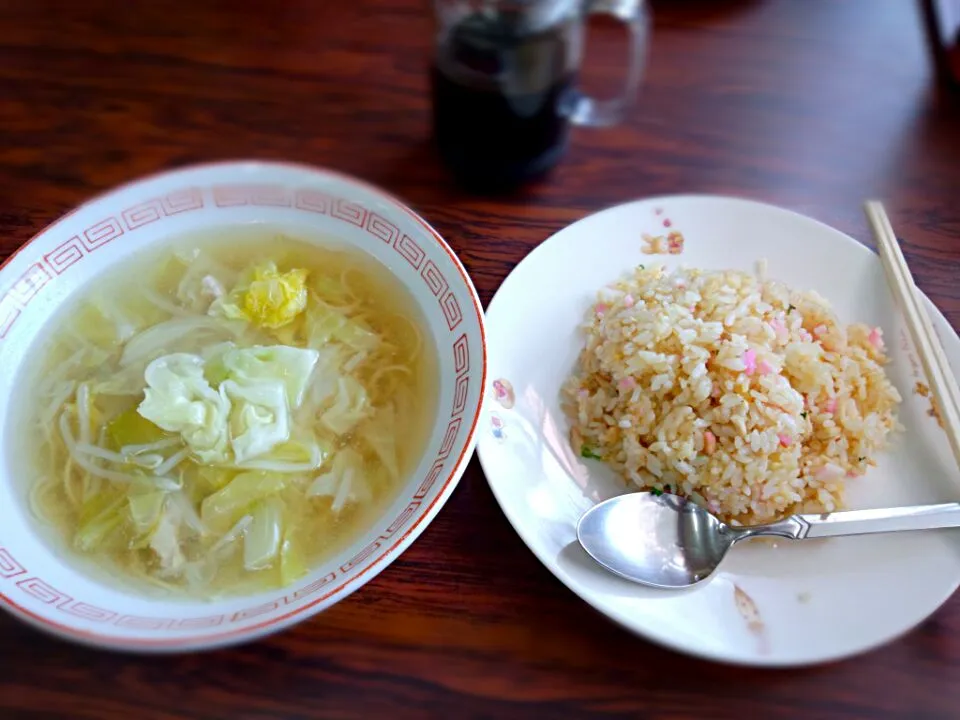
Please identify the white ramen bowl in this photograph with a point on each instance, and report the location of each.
(42, 588)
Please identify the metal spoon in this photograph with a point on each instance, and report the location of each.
(666, 542)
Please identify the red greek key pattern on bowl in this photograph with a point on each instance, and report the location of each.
(404, 517)
(460, 394)
(429, 480)
(382, 228)
(9, 567)
(101, 233)
(312, 201)
(199, 623)
(450, 439)
(360, 556)
(135, 622)
(88, 612)
(65, 255)
(256, 610)
(461, 355)
(182, 201)
(142, 214)
(157, 208)
(231, 195)
(451, 310)
(72, 250)
(348, 211)
(30, 283)
(434, 278)
(410, 251)
(270, 195)
(39, 590)
(310, 589)
(439, 286)
(259, 195)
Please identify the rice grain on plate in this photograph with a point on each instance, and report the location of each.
(738, 393)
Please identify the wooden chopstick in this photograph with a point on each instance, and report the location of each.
(943, 384)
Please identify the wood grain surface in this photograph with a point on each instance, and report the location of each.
(810, 104)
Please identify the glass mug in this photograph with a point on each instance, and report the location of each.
(504, 83)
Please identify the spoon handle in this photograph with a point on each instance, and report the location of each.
(858, 522)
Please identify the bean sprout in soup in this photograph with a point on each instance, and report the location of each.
(223, 416)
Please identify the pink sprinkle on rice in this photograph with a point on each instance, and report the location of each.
(785, 439)
(709, 442)
(627, 383)
(601, 308)
(764, 368)
(830, 405)
(875, 338)
(750, 361)
(629, 301)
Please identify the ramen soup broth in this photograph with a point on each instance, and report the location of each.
(224, 415)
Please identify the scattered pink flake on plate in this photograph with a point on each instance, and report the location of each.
(503, 393)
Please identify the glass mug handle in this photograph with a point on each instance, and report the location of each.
(603, 113)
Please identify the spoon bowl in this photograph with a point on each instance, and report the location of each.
(660, 540)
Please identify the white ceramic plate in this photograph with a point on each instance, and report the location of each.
(793, 604)
(311, 204)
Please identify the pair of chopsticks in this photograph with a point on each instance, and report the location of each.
(943, 384)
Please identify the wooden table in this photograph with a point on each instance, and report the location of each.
(812, 105)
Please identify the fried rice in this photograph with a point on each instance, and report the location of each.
(736, 392)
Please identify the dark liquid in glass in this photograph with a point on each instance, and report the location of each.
(501, 97)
